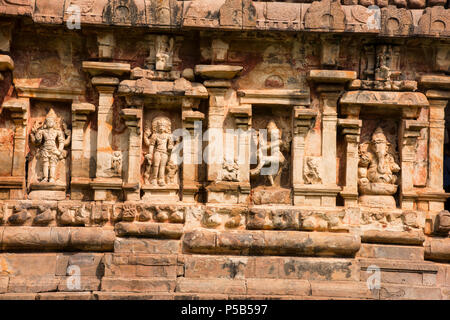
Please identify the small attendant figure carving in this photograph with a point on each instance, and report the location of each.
(230, 170)
(164, 52)
(171, 171)
(312, 175)
(116, 162)
(269, 154)
(50, 140)
(160, 144)
(377, 167)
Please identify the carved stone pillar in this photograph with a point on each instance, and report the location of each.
(133, 119)
(192, 145)
(105, 81)
(330, 86)
(80, 179)
(218, 86)
(19, 109)
(242, 117)
(351, 130)
(303, 119)
(438, 97)
(409, 132)
(103, 181)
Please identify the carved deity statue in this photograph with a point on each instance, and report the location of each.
(50, 139)
(164, 53)
(160, 143)
(269, 153)
(377, 167)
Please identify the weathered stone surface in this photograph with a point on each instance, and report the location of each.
(278, 286)
(391, 252)
(342, 289)
(126, 245)
(223, 286)
(399, 292)
(18, 296)
(33, 284)
(138, 285)
(65, 296)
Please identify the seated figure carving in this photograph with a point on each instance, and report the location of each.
(377, 169)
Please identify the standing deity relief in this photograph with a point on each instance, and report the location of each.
(270, 158)
(164, 53)
(50, 139)
(160, 170)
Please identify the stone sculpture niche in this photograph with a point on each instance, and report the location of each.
(160, 168)
(377, 172)
(47, 170)
(269, 172)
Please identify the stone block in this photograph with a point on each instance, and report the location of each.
(82, 283)
(391, 252)
(211, 286)
(132, 296)
(28, 264)
(138, 285)
(32, 284)
(400, 292)
(65, 296)
(18, 296)
(90, 264)
(150, 246)
(4, 284)
(278, 287)
(342, 289)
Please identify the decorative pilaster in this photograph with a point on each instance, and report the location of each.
(242, 117)
(192, 145)
(438, 97)
(105, 81)
(303, 120)
(19, 109)
(351, 130)
(80, 179)
(409, 132)
(133, 119)
(330, 86)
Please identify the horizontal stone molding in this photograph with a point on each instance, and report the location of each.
(56, 239)
(393, 237)
(149, 230)
(290, 243)
(437, 249)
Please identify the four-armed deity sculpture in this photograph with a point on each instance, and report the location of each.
(270, 158)
(160, 144)
(50, 138)
(377, 179)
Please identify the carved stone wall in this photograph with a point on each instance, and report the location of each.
(216, 153)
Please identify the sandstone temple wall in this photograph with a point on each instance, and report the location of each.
(230, 149)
